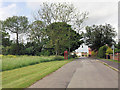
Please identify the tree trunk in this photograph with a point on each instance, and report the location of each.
(17, 43)
(56, 53)
(17, 38)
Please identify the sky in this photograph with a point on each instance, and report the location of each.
(100, 11)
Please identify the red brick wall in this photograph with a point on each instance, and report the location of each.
(115, 57)
(119, 57)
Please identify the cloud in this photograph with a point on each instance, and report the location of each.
(33, 5)
(7, 11)
(100, 12)
(0, 3)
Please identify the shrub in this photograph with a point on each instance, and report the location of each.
(109, 51)
(93, 53)
(102, 52)
(29, 51)
(45, 53)
(6, 50)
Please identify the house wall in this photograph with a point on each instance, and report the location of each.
(89, 51)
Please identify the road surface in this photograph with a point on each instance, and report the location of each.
(80, 73)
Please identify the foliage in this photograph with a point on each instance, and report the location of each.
(6, 50)
(17, 25)
(5, 37)
(13, 49)
(29, 51)
(62, 37)
(99, 35)
(60, 12)
(93, 53)
(45, 53)
(37, 32)
(33, 48)
(109, 51)
(118, 45)
(102, 51)
(117, 48)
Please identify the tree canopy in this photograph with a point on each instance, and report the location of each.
(99, 35)
(17, 25)
(62, 37)
(61, 12)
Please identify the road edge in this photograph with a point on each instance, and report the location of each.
(108, 65)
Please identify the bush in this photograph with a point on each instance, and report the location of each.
(6, 50)
(102, 52)
(109, 51)
(14, 50)
(29, 51)
(45, 53)
(93, 53)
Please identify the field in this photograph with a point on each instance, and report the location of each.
(27, 75)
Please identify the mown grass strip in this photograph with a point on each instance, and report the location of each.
(26, 76)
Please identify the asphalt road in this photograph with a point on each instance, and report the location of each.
(80, 73)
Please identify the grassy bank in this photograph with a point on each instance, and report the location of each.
(24, 77)
(12, 62)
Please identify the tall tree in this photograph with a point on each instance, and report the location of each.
(5, 37)
(37, 35)
(61, 36)
(99, 35)
(117, 47)
(37, 31)
(17, 25)
(60, 12)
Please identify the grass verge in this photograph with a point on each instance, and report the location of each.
(112, 60)
(26, 76)
(10, 62)
(109, 60)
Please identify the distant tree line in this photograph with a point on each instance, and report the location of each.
(56, 28)
(52, 32)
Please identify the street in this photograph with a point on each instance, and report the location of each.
(80, 73)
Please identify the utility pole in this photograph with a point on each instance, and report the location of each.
(69, 41)
(113, 52)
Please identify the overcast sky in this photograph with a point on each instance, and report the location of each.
(100, 11)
